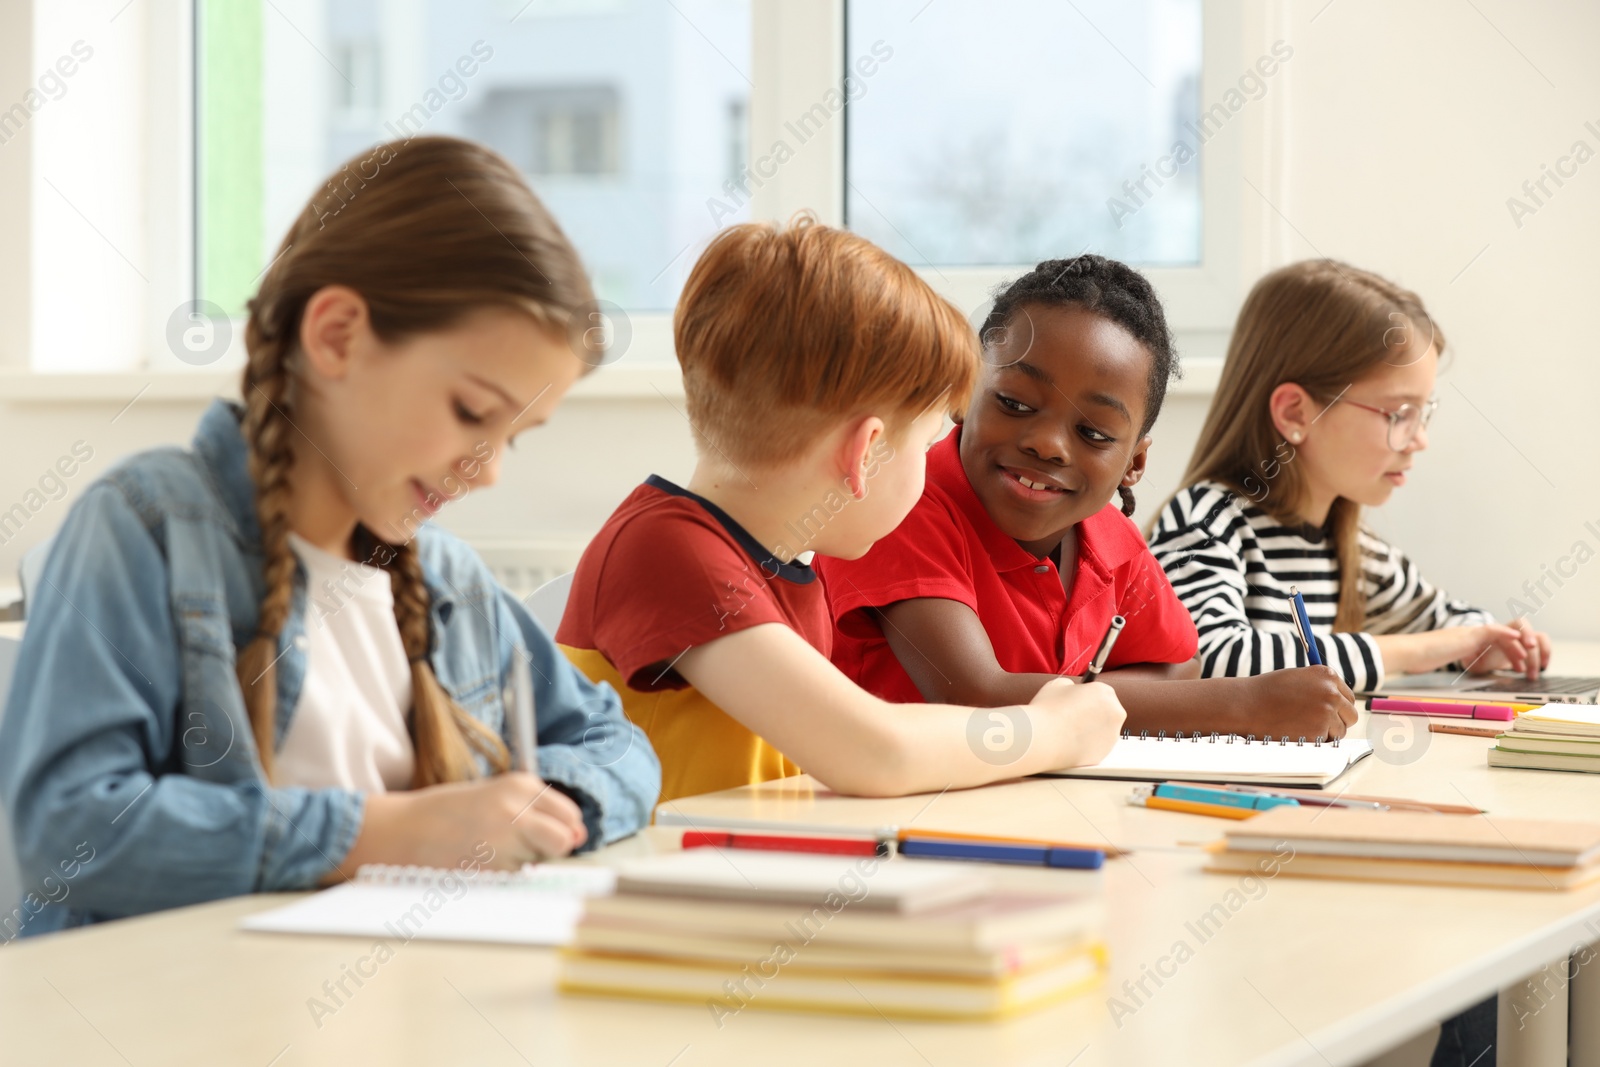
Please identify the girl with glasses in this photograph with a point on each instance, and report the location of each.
(1323, 405)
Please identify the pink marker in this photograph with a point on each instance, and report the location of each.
(1494, 712)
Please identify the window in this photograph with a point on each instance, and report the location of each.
(571, 130)
(979, 139)
(1005, 134)
(620, 113)
(93, 184)
(737, 138)
(357, 97)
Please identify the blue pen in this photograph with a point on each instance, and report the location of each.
(1312, 655)
(1223, 797)
(1030, 855)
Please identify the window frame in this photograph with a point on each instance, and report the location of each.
(165, 106)
(797, 54)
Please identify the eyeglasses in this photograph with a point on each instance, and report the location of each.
(1405, 422)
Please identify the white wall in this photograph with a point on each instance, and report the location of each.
(1407, 129)
(557, 485)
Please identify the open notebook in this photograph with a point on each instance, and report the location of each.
(1220, 758)
(534, 906)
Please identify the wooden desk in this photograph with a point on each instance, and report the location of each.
(1282, 972)
(1289, 971)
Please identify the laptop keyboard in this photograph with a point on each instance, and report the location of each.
(1547, 684)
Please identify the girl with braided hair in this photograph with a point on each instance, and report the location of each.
(1009, 570)
(252, 665)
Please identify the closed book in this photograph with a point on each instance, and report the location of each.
(992, 923)
(789, 983)
(1577, 720)
(1500, 756)
(1518, 741)
(1419, 872)
(869, 883)
(1417, 836)
(598, 936)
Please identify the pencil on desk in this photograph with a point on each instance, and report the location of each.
(1467, 731)
(1006, 839)
(1192, 807)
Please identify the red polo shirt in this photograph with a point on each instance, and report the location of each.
(949, 548)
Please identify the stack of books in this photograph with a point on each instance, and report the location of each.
(871, 936)
(1556, 737)
(1391, 846)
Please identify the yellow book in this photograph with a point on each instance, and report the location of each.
(788, 983)
(605, 938)
(991, 923)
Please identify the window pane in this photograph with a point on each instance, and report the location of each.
(624, 115)
(1003, 133)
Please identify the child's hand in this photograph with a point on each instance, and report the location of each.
(1535, 652)
(1481, 649)
(1090, 717)
(519, 816)
(1309, 702)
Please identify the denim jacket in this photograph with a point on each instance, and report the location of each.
(125, 738)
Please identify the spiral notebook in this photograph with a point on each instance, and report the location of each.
(538, 905)
(1224, 759)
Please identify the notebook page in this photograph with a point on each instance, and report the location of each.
(1205, 760)
(534, 908)
(1556, 715)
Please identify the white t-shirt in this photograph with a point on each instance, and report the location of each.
(349, 727)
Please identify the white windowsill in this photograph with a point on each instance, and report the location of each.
(639, 381)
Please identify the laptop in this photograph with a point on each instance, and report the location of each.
(1503, 686)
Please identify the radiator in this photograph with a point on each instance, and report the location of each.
(523, 566)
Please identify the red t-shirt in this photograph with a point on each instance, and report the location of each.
(950, 549)
(671, 571)
(668, 572)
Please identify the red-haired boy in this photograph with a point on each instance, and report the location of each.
(817, 369)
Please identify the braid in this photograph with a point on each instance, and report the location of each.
(425, 231)
(444, 735)
(1127, 500)
(1105, 287)
(267, 431)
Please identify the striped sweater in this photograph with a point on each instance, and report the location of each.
(1232, 565)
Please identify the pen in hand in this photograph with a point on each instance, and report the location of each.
(522, 719)
(1303, 624)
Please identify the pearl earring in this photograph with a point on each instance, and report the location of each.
(1295, 437)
